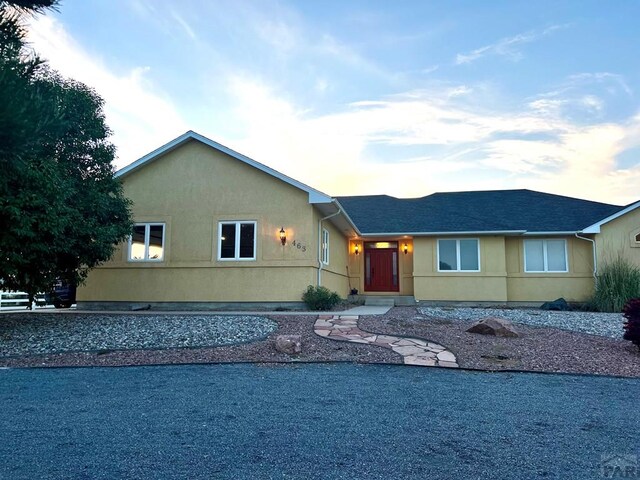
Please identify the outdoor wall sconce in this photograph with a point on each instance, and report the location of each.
(283, 236)
(356, 249)
(405, 248)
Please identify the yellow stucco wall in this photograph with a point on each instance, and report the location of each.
(334, 275)
(617, 238)
(191, 189)
(576, 285)
(487, 285)
(502, 277)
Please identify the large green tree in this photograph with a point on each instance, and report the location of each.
(62, 212)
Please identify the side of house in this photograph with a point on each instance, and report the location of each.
(207, 230)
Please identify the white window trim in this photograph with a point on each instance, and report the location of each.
(325, 246)
(457, 240)
(146, 258)
(237, 223)
(545, 258)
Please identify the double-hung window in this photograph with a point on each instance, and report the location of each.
(237, 240)
(146, 244)
(542, 255)
(459, 255)
(325, 246)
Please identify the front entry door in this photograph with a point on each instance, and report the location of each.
(381, 270)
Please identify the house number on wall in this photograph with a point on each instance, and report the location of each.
(299, 245)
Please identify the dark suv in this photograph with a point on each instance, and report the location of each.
(63, 295)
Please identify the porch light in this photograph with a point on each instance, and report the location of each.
(283, 236)
(405, 248)
(356, 249)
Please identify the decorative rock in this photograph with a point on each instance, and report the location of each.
(559, 304)
(289, 344)
(493, 326)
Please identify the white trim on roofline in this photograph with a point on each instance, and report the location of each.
(595, 228)
(346, 216)
(315, 196)
(396, 234)
(549, 234)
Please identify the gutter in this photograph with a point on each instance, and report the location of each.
(595, 255)
(320, 264)
(400, 234)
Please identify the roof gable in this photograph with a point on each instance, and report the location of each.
(315, 196)
(595, 228)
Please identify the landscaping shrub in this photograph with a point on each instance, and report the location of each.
(632, 326)
(617, 283)
(320, 298)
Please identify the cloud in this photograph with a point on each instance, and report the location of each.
(411, 143)
(139, 114)
(464, 147)
(185, 26)
(505, 47)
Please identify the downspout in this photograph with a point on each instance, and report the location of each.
(320, 264)
(595, 256)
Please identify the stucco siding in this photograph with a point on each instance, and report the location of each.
(190, 190)
(617, 238)
(576, 285)
(489, 284)
(192, 284)
(334, 275)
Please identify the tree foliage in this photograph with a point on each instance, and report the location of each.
(62, 212)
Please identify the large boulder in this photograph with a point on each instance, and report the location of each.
(558, 304)
(493, 326)
(289, 344)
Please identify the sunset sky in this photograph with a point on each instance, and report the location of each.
(363, 97)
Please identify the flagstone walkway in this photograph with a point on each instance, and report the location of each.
(414, 351)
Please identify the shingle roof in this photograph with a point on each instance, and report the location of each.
(485, 211)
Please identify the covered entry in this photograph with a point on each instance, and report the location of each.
(381, 267)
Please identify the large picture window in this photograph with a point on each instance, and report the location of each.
(460, 255)
(237, 241)
(146, 243)
(545, 255)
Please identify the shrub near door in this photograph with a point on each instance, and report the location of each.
(320, 298)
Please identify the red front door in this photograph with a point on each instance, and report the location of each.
(381, 270)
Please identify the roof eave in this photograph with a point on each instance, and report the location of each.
(431, 234)
(595, 228)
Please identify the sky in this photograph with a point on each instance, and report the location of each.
(352, 97)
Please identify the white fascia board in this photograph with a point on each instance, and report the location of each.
(417, 234)
(315, 196)
(595, 228)
(550, 234)
(347, 217)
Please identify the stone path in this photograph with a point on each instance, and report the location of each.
(414, 351)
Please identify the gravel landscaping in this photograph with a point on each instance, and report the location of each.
(54, 333)
(604, 324)
(74, 339)
(536, 349)
(314, 348)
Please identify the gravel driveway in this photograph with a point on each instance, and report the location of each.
(338, 421)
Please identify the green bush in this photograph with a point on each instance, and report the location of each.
(616, 284)
(320, 298)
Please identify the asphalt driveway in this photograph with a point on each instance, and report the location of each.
(311, 421)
